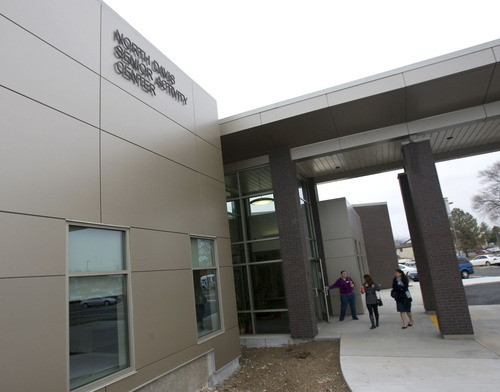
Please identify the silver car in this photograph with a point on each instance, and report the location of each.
(101, 301)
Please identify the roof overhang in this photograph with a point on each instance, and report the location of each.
(357, 128)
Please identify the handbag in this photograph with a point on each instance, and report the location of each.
(379, 301)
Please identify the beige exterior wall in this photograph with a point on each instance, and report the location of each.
(343, 245)
(80, 142)
(405, 253)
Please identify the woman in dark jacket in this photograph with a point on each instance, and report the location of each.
(402, 296)
(370, 289)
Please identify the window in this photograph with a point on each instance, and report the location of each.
(307, 220)
(256, 253)
(98, 303)
(206, 286)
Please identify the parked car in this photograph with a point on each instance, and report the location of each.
(493, 250)
(413, 276)
(101, 301)
(464, 266)
(410, 263)
(485, 260)
(407, 269)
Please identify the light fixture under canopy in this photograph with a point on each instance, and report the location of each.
(260, 201)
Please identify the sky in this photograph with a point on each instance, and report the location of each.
(250, 54)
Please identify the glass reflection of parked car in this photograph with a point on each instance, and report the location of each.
(101, 301)
(485, 260)
(208, 281)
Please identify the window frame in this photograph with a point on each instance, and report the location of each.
(216, 267)
(127, 273)
(245, 242)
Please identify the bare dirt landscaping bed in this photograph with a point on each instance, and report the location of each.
(303, 367)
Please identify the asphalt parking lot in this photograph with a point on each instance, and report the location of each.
(485, 293)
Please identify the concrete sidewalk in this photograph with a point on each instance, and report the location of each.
(390, 358)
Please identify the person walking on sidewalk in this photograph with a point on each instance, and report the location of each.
(369, 289)
(402, 296)
(346, 289)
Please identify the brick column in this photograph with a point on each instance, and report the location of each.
(431, 221)
(296, 266)
(419, 250)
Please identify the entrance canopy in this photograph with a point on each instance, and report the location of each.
(357, 128)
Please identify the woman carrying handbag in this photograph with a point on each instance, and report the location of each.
(370, 289)
(402, 296)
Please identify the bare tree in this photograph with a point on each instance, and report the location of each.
(398, 242)
(487, 202)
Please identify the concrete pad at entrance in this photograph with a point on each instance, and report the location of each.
(390, 358)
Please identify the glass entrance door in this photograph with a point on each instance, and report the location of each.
(319, 292)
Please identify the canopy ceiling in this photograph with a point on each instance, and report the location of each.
(358, 128)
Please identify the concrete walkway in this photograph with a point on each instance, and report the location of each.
(390, 358)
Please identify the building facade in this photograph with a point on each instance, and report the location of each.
(406, 119)
(114, 248)
(379, 242)
(140, 235)
(262, 294)
(344, 248)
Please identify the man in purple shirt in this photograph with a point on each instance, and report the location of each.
(346, 289)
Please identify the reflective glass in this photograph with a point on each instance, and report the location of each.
(312, 251)
(234, 218)
(206, 288)
(95, 250)
(255, 239)
(301, 189)
(206, 294)
(256, 181)
(307, 219)
(238, 253)
(268, 286)
(245, 323)
(264, 250)
(261, 221)
(272, 322)
(98, 327)
(231, 181)
(202, 252)
(241, 288)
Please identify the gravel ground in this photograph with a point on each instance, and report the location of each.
(304, 367)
